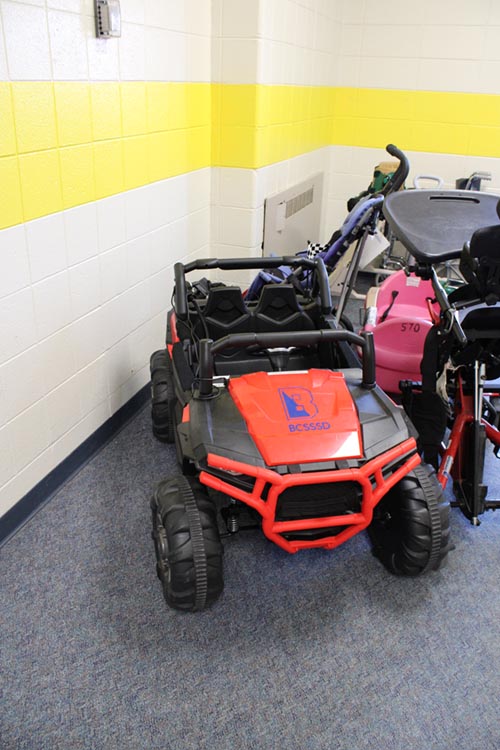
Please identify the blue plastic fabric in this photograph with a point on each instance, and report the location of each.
(354, 220)
(267, 277)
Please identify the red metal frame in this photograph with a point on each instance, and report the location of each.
(369, 476)
(464, 416)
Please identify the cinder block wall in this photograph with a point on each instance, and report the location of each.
(274, 67)
(425, 76)
(120, 157)
(104, 167)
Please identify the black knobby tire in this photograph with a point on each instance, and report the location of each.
(187, 544)
(162, 396)
(411, 524)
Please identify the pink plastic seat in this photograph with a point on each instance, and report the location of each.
(398, 315)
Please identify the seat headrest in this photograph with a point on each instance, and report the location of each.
(225, 301)
(276, 299)
(480, 264)
(485, 243)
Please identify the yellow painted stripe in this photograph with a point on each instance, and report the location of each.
(67, 143)
(256, 125)
(431, 121)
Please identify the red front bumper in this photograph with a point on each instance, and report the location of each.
(271, 484)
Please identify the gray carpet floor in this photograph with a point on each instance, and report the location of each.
(318, 651)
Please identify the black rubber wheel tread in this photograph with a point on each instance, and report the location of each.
(162, 396)
(198, 547)
(411, 525)
(190, 567)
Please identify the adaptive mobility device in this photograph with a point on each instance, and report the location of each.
(461, 356)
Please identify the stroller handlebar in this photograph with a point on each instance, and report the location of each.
(400, 174)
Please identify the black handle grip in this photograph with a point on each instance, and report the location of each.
(180, 300)
(401, 172)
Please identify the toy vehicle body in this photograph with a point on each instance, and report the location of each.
(397, 313)
(274, 417)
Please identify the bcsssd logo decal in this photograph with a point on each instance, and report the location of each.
(299, 404)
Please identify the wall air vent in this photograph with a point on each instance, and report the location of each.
(298, 203)
(292, 218)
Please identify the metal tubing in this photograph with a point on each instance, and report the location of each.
(316, 265)
(478, 449)
(284, 339)
(352, 273)
(447, 309)
(369, 378)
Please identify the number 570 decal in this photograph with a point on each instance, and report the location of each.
(410, 327)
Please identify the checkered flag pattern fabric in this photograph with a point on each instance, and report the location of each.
(313, 248)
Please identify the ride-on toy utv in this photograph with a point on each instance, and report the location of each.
(275, 419)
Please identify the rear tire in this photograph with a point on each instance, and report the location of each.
(411, 525)
(162, 396)
(187, 544)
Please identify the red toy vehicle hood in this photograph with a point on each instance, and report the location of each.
(299, 417)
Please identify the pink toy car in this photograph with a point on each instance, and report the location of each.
(397, 312)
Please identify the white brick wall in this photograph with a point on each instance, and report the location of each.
(451, 45)
(164, 40)
(290, 42)
(77, 331)
(278, 42)
(84, 292)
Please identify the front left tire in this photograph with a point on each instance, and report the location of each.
(187, 544)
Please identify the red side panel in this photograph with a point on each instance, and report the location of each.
(173, 332)
(173, 328)
(299, 417)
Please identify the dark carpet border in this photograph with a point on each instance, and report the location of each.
(42, 492)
